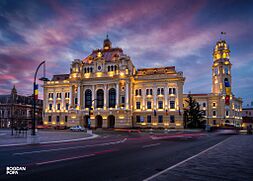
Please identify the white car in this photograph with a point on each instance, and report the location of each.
(77, 128)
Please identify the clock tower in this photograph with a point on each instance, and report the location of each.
(221, 70)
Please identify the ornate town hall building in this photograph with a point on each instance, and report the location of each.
(108, 90)
(107, 87)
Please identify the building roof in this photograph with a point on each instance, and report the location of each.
(109, 55)
(60, 77)
(18, 99)
(160, 70)
(199, 94)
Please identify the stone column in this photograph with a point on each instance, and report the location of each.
(143, 98)
(93, 96)
(105, 96)
(154, 95)
(117, 95)
(71, 96)
(83, 95)
(79, 95)
(166, 96)
(62, 100)
(127, 96)
(54, 103)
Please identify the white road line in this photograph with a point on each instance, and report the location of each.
(180, 163)
(69, 148)
(65, 159)
(151, 145)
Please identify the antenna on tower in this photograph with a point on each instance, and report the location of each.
(222, 35)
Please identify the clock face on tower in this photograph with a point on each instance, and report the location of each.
(99, 68)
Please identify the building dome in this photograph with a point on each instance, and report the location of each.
(107, 43)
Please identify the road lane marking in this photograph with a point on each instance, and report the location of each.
(65, 159)
(69, 148)
(151, 145)
(76, 157)
(180, 163)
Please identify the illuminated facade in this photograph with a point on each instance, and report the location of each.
(221, 107)
(107, 88)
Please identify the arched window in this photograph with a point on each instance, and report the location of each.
(109, 69)
(100, 98)
(112, 98)
(115, 67)
(84, 70)
(88, 98)
(91, 69)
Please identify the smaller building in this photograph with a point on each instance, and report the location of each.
(247, 117)
(16, 110)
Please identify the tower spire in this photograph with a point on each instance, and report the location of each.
(107, 43)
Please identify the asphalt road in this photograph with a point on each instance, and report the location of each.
(112, 156)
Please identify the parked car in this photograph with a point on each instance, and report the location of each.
(77, 128)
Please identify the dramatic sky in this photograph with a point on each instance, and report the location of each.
(153, 33)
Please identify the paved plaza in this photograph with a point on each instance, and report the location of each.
(45, 136)
(230, 160)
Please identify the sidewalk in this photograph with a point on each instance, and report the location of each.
(230, 160)
(45, 137)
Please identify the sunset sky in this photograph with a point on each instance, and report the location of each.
(153, 33)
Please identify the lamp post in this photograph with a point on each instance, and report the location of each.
(34, 96)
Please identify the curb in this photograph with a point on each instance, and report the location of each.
(50, 142)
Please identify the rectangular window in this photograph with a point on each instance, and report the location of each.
(58, 95)
(123, 100)
(58, 106)
(49, 118)
(136, 92)
(57, 119)
(172, 104)
(76, 100)
(138, 119)
(162, 91)
(140, 92)
(214, 122)
(204, 104)
(214, 113)
(149, 105)
(149, 118)
(160, 104)
(172, 119)
(170, 90)
(66, 94)
(138, 105)
(151, 92)
(174, 90)
(50, 107)
(67, 106)
(160, 119)
(66, 118)
(158, 91)
(227, 113)
(147, 91)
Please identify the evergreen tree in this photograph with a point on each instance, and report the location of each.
(192, 114)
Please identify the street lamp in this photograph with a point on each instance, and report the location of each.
(34, 96)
